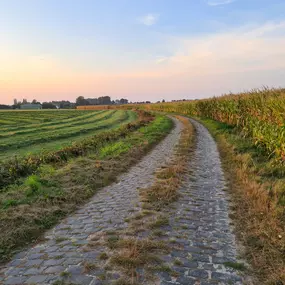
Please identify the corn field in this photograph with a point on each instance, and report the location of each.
(258, 115)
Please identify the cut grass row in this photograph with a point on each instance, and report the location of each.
(16, 167)
(55, 125)
(39, 201)
(31, 117)
(7, 141)
(54, 120)
(47, 140)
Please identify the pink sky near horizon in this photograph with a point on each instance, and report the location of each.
(206, 65)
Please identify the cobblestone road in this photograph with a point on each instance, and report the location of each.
(107, 210)
(200, 226)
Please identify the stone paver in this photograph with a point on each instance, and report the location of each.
(200, 227)
(201, 238)
(61, 256)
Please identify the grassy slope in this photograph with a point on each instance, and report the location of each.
(42, 199)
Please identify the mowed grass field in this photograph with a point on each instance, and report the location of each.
(33, 132)
(53, 161)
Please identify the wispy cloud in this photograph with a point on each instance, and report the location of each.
(161, 59)
(220, 2)
(238, 50)
(149, 19)
(189, 67)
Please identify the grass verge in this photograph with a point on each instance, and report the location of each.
(54, 190)
(257, 187)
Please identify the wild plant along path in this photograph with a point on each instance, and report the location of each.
(199, 224)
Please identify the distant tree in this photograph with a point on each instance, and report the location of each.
(81, 101)
(124, 101)
(92, 101)
(104, 100)
(62, 104)
(47, 105)
(107, 100)
(66, 105)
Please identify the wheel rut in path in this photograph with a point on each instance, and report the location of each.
(203, 242)
(62, 254)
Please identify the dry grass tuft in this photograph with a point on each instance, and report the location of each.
(159, 222)
(133, 253)
(89, 267)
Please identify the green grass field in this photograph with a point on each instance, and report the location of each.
(33, 132)
(56, 168)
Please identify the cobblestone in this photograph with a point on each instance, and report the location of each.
(200, 224)
(47, 262)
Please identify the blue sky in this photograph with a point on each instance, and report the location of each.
(139, 49)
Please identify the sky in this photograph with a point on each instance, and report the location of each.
(139, 49)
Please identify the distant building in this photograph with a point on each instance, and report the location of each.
(31, 106)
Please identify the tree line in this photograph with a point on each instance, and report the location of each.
(103, 100)
(80, 101)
